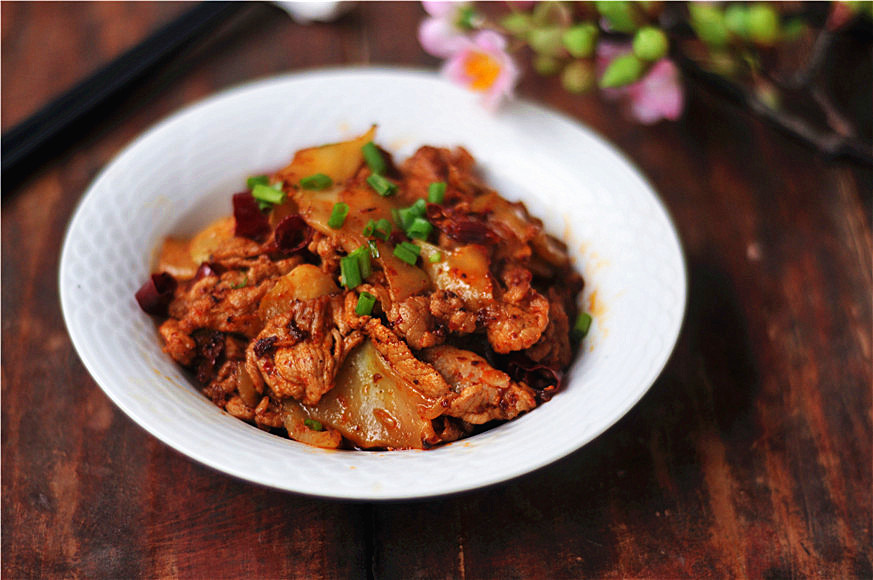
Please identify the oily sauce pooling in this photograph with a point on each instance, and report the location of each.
(352, 302)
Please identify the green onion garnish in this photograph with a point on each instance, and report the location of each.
(583, 323)
(268, 194)
(374, 249)
(419, 207)
(405, 255)
(338, 215)
(435, 257)
(369, 229)
(366, 301)
(316, 181)
(436, 192)
(350, 271)
(313, 424)
(410, 247)
(381, 185)
(383, 229)
(254, 180)
(420, 229)
(405, 216)
(362, 254)
(374, 158)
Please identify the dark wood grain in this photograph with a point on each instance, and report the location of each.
(750, 456)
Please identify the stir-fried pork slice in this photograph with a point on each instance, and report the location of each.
(450, 310)
(298, 353)
(432, 164)
(553, 347)
(421, 376)
(412, 320)
(177, 342)
(520, 313)
(484, 393)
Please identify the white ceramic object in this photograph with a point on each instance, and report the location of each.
(180, 175)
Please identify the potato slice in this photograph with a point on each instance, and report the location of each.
(208, 240)
(373, 407)
(302, 283)
(339, 161)
(294, 418)
(175, 259)
(463, 271)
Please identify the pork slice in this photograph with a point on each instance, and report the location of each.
(519, 314)
(421, 376)
(298, 353)
(412, 320)
(484, 393)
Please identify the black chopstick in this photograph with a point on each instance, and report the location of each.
(23, 145)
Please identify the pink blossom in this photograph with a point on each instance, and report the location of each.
(482, 64)
(440, 33)
(658, 95)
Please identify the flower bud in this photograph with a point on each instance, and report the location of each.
(578, 76)
(736, 20)
(580, 40)
(707, 20)
(651, 44)
(517, 23)
(623, 70)
(763, 24)
(546, 41)
(546, 65)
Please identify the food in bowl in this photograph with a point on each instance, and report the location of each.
(351, 302)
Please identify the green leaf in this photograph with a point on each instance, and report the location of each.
(517, 24)
(624, 70)
(546, 65)
(736, 20)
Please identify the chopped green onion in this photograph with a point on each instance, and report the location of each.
(381, 185)
(362, 254)
(419, 208)
(254, 180)
(350, 271)
(313, 424)
(374, 158)
(436, 192)
(383, 229)
(583, 323)
(410, 247)
(316, 181)
(366, 301)
(435, 257)
(369, 229)
(338, 215)
(405, 254)
(268, 194)
(404, 218)
(420, 229)
(374, 249)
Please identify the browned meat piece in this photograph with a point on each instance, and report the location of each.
(411, 319)
(298, 353)
(328, 249)
(237, 407)
(484, 393)
(520, 314)
(268, 414)
(449, 309)
(227, 303)
(422, 377)
(431, 164)
(177, 343)
(553, 347)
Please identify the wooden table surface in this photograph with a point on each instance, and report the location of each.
(749, 457)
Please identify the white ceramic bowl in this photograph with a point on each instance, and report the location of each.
(180, 175)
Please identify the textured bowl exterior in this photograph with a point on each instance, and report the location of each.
(179, 176)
